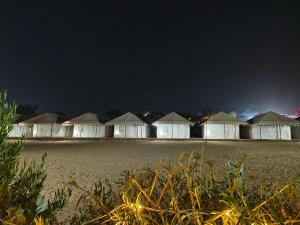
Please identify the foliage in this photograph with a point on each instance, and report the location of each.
(208, 111)
(187, 193)
(233, 113)
(21, 183)
(111, 114)
(27, 109)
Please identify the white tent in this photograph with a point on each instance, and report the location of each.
(172, 126)
(129, 126)
(20, 130)
(296, 131)
(47, 125)
(86, 126)
(221, 126)
(271, 126)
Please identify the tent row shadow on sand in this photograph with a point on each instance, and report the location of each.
(268, 125)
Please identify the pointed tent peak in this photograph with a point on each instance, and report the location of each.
(89, 114)
(272, 118)
(128, 118)
(222, 117)
(45, 118)
(88, 117)
(172, 117)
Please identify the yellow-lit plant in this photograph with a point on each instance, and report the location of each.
(187, 193)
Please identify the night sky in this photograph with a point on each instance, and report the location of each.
(79, 56)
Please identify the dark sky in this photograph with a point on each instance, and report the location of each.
(78, 56)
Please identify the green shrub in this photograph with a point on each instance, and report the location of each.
(187, 193)
(21, 183)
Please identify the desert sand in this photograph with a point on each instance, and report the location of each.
(89, 161)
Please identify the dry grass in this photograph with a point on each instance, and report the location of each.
(187, 193)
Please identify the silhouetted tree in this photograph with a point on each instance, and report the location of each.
(233, 113)
(60, 113)
(150, 116)
(208, 111)
(113, 113)
(27, 109)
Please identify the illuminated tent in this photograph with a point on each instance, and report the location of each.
(296, 131)
(270, 125)
(48, 125)
(129, 126)
(86, 126)
(20, 130)
(172, 126)
(221, 126)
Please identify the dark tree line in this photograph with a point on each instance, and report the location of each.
(27, 109)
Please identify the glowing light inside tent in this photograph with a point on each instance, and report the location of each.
(117, 132)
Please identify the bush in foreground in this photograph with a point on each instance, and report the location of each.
(187, 193)
(21, 184)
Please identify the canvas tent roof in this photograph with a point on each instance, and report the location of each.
(222, 117)
(272, 118)
(85, 118)
(128, 118)
(172, 118)
(45, 118)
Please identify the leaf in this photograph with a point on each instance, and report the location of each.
(20, 219)
(41, 204)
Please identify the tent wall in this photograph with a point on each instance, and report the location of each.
(169, 131)
(295, 132)
(48, 130)
(271, 132)
(220, 131)
(58, 130)
(21, 130)
(42, 130)
(89, 130)
(131, 131)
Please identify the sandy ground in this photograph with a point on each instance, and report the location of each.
(88, 161)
